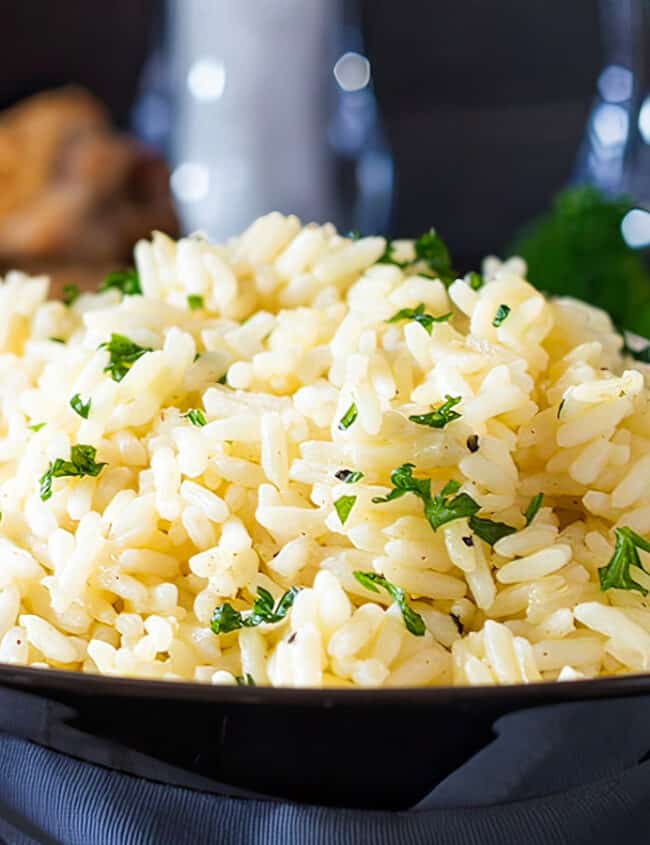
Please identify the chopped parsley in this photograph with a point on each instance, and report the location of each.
(489, 530)
(71, 294)
(535, 504)
(126, 281)
(226, 619)
(371, 581)
(642, 355)
(440, 417)
(79, 406)
(195, 301)
(474, 280)
(343, 506)
(348, 417)
(57, 339)
(616, 575)
(418, 314)
(37, 426)
(222, 380)
(431, 249)
(438, 509)
(348, 476)
(123, 354)
(82, 462)
(445, 506)
(501, 315)
(246, 680)
(196, 417)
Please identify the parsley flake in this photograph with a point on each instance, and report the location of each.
(195, 301)
(343, 506)
(413, 621)
(474, 280)
(246, 680)
(37, 426)
(126, 281)
(226, 619)
(489, 530)
(440, 417)
(82, 463)
(348, 476)
(80, 407)
(419, 316)
(431, 249)
(535, 504)
(500, 316)
(348, 417)
(616, 575)
(196, 417)
(123, 354)
(71, 294)
(56, 340)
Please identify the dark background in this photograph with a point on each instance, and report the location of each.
(484, 103)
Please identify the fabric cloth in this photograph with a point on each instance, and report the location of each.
(572, 773)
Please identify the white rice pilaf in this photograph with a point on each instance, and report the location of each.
(148, 502)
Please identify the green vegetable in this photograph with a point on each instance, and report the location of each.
(82, 462)
(440, 417)
(126, 281)
(474, 280)
(616, 575)
(57, 340)
(413, 621)
(246, 680)
(489, 530)
(37, 426)
(123, 355)
(194, 301)
(638, 354)
(417, 314)
(431, 249)
(343, 506)
(438, 509)
(79, 406)
(71, 294)
(226, 619)
(577, 249)
(348, 476)
(196, 417)
(348, 417)
(500, 316)
(222, 380)
(535, 504)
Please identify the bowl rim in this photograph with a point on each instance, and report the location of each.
(60, 681)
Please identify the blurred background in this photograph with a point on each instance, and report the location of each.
(381, 116)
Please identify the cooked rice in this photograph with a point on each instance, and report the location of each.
(120, 573)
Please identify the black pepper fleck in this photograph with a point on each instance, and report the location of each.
(472, 443)
(292, 637)
(469, 541)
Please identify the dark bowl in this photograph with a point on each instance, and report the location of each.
(348, 748)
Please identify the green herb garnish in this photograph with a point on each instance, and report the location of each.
(489, 530)
(348, 476)
(194, 301)
(226, 619)
(343, 506)
(474, 280)
(431, 249)
(348, 417)
(37, 426)
(440, 417)
(123, 355)
(616, 575)
(413, 621)
(79, 406)
(438, 509)
(535, 504)
(126, 281)
(500, 316)
(222, 380)
(246, 680)
(196, 417)
(57, 339)
(418, 314)
(71, 294)
(82, 462)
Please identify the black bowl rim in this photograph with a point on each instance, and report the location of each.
(44, 681)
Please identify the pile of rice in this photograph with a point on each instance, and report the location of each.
(120, 572)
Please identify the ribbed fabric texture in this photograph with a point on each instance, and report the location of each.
(578, 780)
